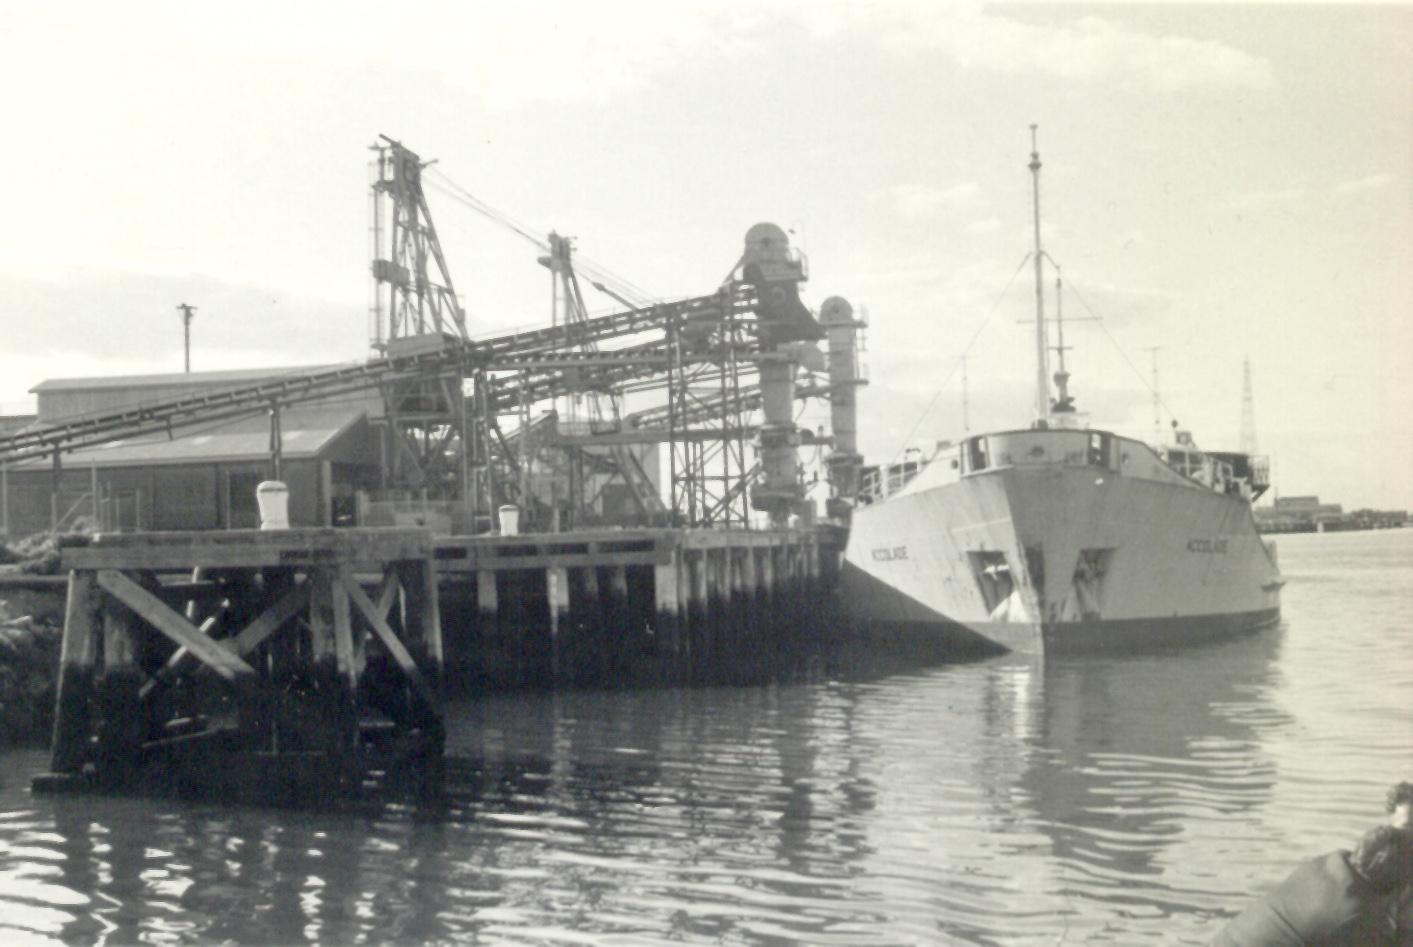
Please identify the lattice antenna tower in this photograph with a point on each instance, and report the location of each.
(1153, 350)
(966, 399)
(413, 292)
(1248, 410)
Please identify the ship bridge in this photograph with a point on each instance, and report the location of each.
(1179, 465)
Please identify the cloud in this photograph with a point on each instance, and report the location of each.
(1256, 199)
(553, 50)
(112, 322)
(1091, 48)
(1372, 182)
(559, 50)
(919, 201)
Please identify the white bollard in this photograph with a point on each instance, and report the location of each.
(509, 520)
(273, 498)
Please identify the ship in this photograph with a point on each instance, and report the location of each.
(1060, 536)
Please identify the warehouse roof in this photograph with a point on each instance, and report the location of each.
(225, 379)
(306, 433)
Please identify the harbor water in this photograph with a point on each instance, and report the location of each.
(1131, 799)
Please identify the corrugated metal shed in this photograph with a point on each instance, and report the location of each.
(14, 423)
(61, 399)
(306, 433)
(222, 379)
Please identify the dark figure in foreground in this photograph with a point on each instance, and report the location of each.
(1400, 816)
(1341, 898)
(1400, 806)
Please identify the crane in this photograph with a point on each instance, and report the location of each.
(444, 392)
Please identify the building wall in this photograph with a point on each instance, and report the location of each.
(14, 423)
(1296, 504)
(177, 497)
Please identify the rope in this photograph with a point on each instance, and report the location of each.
(957, 364)
(1118, 348)
(596, 270)
(445, 185)
(452, 189)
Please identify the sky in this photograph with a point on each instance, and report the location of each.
(1220, 183)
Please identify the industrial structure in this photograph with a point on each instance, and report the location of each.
(567, 423)
(529, 468)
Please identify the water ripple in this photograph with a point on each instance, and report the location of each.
(1122, 800)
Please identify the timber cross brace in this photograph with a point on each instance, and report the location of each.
(248, 664)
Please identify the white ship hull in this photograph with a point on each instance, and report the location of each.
(1060, 547)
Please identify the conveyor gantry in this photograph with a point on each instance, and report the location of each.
(539, 357)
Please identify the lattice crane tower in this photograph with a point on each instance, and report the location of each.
(1248, 411)
(413, 290)
(438, 444)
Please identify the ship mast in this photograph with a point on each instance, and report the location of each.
(1064, 404)
(1042, 368)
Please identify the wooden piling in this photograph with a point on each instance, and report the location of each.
(557, 591)
(620, 639)
(740, 623)
(119, 731)
(665, 605)
(590, 626)
(718, 562)
(488, 645)
(698, 590)
(264, 698)
(667, 602)
(78, 657)
(421, 611)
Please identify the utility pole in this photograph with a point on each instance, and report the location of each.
(187, 312)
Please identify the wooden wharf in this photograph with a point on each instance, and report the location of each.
(289, 666)
(249, 664)
(630, 606)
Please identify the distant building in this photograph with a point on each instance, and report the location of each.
(334, 453)
(201, 478)
(1306, 514)
(1297, 514)
(14, 423)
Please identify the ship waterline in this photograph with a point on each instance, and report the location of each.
(1062, 540)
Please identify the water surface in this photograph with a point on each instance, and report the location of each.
(1124, 799)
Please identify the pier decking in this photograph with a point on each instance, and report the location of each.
(268, 672)
(291, 664)
(628, 606)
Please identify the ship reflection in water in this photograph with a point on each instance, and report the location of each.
(1149, 770)
(1097, 798)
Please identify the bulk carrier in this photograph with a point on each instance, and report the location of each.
(1061, 536)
